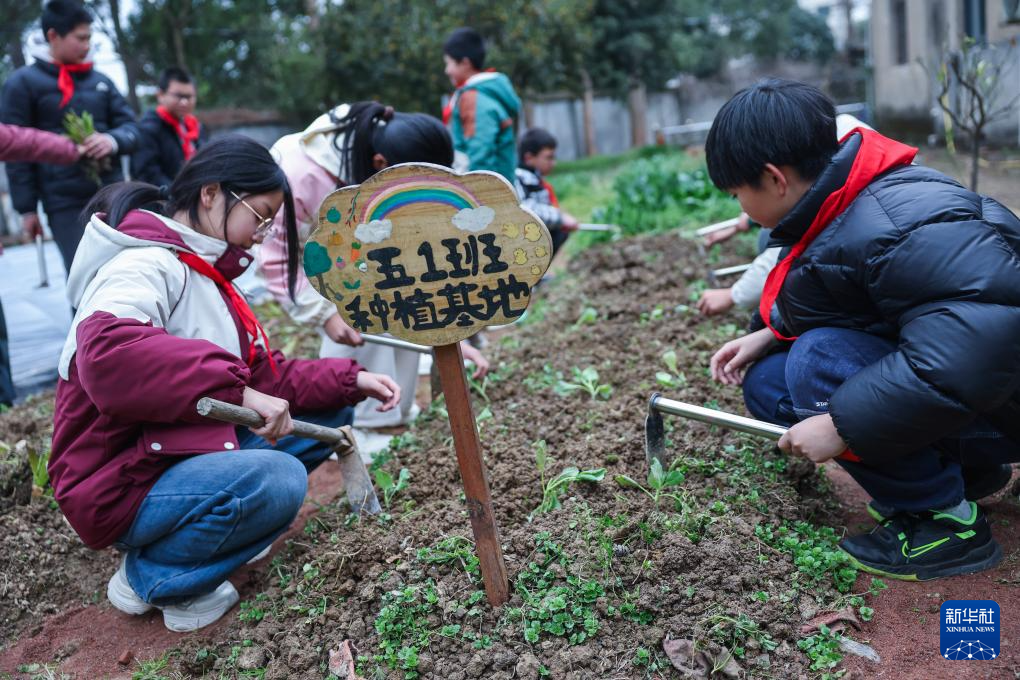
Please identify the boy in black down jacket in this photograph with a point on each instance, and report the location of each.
(891, 338)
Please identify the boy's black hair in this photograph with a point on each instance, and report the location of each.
(172, 74)
(466, 43)
(778, 121)
(534, 140)
(63, 16)
(235, 162)
(369, 128)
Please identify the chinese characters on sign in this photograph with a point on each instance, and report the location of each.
(427, 255)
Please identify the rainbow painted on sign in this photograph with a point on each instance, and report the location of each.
(405, 192)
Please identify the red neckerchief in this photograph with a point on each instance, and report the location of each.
(65, 83)
(552, 194)
(187, 134)
(452, 101)
(876, 155)
(251, 324)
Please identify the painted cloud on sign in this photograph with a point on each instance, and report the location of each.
(474, 219)
(375, 231)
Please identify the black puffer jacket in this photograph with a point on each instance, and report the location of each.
(159, 156)
(919, 259)
(31, 98)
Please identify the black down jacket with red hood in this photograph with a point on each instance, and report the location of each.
(921, 260)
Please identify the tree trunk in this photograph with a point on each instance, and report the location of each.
(975, 152)
(637, 100)
(177, 35)
(312, 12)
(588, 114)
(848, 11)
(178, 21)
(132, 68)
(529, 114)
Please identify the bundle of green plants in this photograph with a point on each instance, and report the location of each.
(79, 128)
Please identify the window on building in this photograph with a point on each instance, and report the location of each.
(899, 31)
(974, 20)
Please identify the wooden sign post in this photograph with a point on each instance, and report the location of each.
(432, 257)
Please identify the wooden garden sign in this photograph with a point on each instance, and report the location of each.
(432, 257)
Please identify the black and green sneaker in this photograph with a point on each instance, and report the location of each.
(924, 546)
(978, 482)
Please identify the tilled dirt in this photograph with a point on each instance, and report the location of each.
(403, 589)
(684, 569)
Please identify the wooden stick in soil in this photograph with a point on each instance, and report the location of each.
(472, 470)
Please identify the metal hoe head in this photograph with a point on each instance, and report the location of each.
(655, 433)
(655, 436)
(357, 482)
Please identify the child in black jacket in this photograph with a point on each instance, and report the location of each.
(892, 324)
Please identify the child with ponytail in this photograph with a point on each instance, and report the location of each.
(346, 146)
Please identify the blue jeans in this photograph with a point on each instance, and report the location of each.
(209, 514)
(787, 387)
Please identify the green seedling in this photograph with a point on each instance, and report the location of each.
(391, 487)
(541, 458)
(588, 317)
(403, 626)
(659, 481)
(815, 552)
(586, 381)
(252, 610)
(453, 549)
(733, 632)
(544, 379)
(40, 474)
(655, 315)
(822, 649)
(555, 601)
(480, 387)
(551, 491)
(674, 379)
(695, 289)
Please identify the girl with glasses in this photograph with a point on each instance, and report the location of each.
(158, 326)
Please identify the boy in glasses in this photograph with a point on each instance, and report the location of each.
(170, 133)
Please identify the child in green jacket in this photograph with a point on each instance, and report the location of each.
(482, 113)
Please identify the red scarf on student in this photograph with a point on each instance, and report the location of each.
(251, 324)
(65, 83)
(876, 155)
(552, 194)
(188, 134)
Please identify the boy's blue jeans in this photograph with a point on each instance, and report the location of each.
(788, 387)
(209, 514)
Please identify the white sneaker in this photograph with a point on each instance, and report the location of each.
(412, 415)
(200, 611)
(122, 595)
(263, 554)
